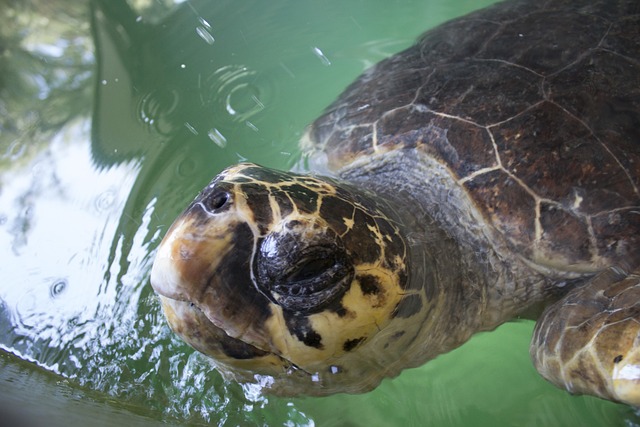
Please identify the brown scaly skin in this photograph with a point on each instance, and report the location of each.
(589, 342)
(491, 168)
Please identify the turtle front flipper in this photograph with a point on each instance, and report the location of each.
(589, 341)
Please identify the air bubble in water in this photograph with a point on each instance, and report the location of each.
(317, 52)
(251, 126)
(217, 137)
(205, 35)
(190, 127)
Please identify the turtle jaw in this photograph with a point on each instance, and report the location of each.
(241, 362)
(232, 356)
(195, 328)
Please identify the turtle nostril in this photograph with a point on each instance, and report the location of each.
(216, 201)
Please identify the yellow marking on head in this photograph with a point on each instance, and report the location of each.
(349, 223)
(379, 238)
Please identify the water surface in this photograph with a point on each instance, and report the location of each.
(113, 115)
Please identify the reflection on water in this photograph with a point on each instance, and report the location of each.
(112, 117)
(58, 197)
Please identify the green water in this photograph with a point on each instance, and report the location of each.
(113, 115)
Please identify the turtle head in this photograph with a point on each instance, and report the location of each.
(286, 276)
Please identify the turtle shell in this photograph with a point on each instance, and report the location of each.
(532, 107)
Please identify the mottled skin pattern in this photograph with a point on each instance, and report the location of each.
(265, 266)
(492, 168)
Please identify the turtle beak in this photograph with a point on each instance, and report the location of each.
(165, 278)
(183, 263)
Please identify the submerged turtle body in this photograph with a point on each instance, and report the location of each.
(489, 169)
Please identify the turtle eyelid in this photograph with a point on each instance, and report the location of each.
(311, 267)
(216, 202)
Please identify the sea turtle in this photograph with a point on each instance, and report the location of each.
(489, 170)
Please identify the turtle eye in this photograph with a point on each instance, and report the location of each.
(216, 202)
(310, 268)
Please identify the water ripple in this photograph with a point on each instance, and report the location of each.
(156, 108)
(57, 288)
(237, 91)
